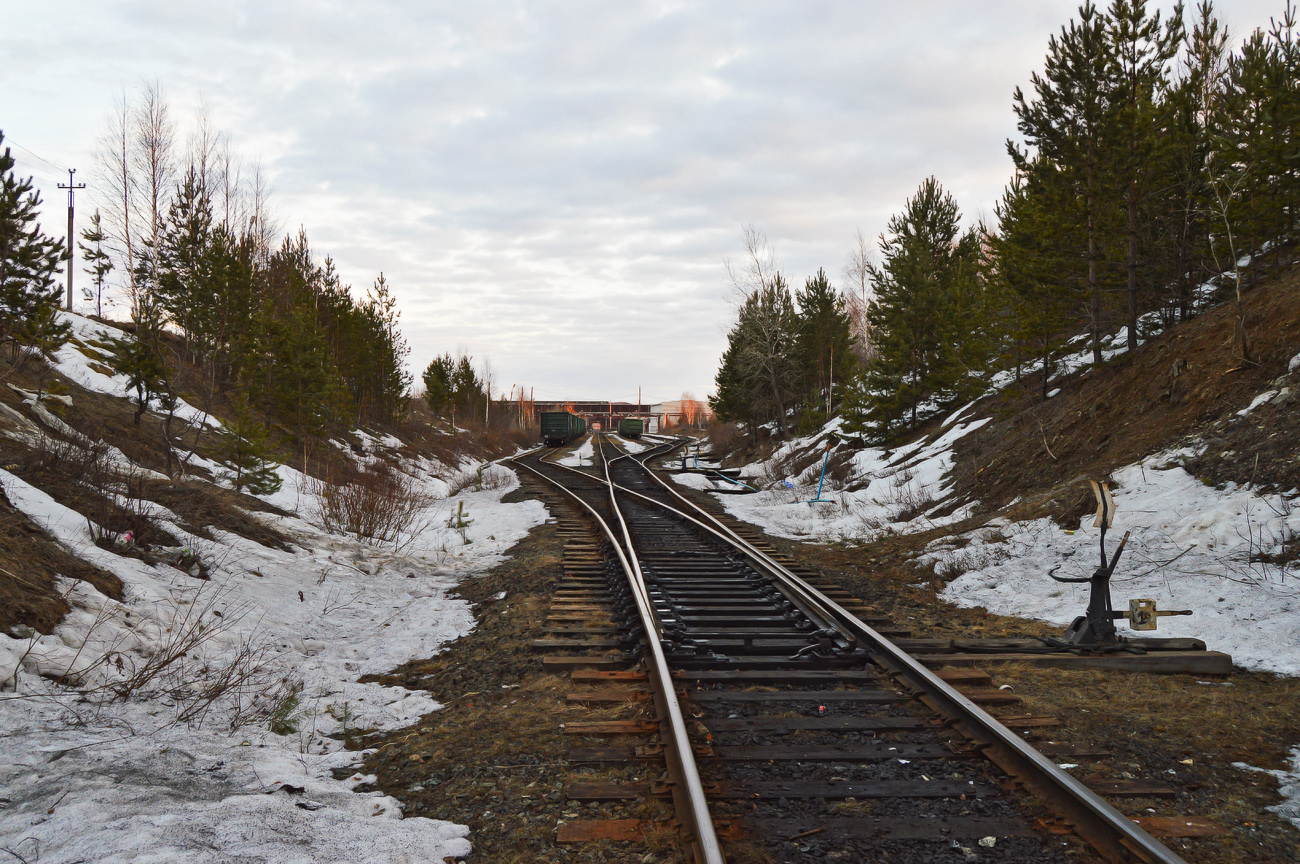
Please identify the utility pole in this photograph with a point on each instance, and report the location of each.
(72, 191)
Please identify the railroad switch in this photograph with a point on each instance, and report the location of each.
(1095, 629)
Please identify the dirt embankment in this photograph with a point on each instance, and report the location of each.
(1188, 383)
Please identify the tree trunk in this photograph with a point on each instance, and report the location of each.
(1094, 291)
(1132, 267)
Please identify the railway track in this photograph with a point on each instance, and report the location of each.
(784, 719)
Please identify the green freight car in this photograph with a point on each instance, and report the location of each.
(631, 427)
(561, 427)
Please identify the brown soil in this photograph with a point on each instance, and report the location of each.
(30, 562)
(203, 506)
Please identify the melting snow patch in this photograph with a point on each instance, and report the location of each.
(1288, 786)
(1256, 402)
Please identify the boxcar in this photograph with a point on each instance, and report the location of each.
(631, 427)
(561, 427)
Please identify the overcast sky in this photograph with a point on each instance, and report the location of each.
(556, 185)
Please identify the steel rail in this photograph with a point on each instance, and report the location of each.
(1112, 833)
(693, 802)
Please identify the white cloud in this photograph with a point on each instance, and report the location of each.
(556, 184)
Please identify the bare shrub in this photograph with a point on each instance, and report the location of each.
(909, 497)
(378, 505)
(724, 437)
(485, 476)
(117, 506)
(179, 668)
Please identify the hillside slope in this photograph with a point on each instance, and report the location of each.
(180, 662)
(1201, 448)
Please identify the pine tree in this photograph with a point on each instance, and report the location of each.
(138, 359)
(98, 262)
(437, 383)
(1140, 50)
(825, 347)
(1068, 123)
(738, 396)
(184, 294)
(768, 350)
(29, 294)
(387, 351)
(466, 389)
(1034, 271)
(913, 312)
(243, 452)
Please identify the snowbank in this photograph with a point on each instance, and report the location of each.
(1192, 547)
(901, 487)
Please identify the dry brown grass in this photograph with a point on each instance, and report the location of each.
(1188, 733)
(1130, 407)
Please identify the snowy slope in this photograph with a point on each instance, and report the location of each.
(87, 774)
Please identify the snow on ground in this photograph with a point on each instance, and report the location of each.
(158, 776)
(85, 361)
(1192, 547)
(1288, 782)
(900, 487)
(580, 457)
(700, 481)
(632, 446)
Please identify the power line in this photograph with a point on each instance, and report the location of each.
(34, 171)
(58, 168)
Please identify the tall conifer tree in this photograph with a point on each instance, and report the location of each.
(29, 260)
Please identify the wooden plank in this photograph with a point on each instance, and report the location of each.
(990, 697)
(601, 696)
(581, 631)
(969, 677)
(869, 789)
(574, 644)
(606, 755)
(588, 675)
(776, 676)
(1179, 826)
(816, 696)
(890, 828)
(610, 791)
(565, 663)
(829, 753)
(780, 725)
(617, 830)
(612, 727)
(961, 646)
(1028, 721)
(1211, 663)
(1121, 788)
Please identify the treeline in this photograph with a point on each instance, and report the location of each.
(1154, 160)
(217, 307)
(788, 354)
(453, 387)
